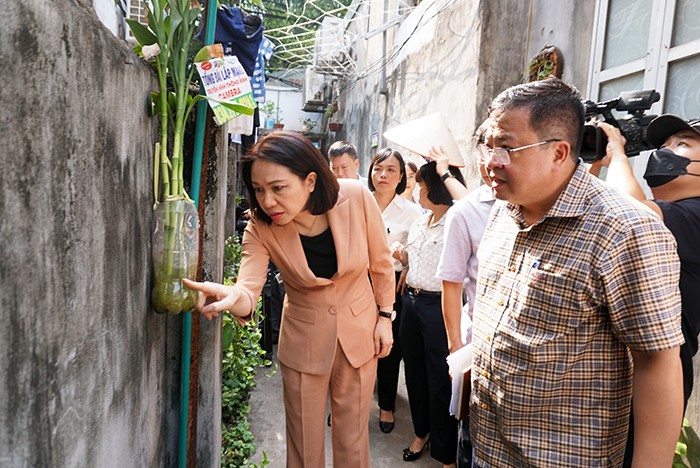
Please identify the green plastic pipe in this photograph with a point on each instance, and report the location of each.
(209, 30)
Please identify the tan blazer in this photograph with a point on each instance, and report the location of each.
(319, 312)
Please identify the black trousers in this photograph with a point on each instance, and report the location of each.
(464, 445)
(388, 367)
(428, 382)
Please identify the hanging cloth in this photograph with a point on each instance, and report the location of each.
(258, 80)
(240, 34)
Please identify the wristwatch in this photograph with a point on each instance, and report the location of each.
(390, 315)
(445, 176)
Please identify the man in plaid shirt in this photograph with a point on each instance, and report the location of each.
(577, 287)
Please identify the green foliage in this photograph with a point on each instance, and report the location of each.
(242, 357)
(168, 41)
(308, 124)
(232, 258)
(687, 448)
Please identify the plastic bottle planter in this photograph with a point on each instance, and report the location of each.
(175, 245)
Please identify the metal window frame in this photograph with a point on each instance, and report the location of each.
(659, 56)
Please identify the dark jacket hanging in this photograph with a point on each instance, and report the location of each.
(240, 34)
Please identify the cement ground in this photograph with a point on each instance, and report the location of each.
(267, 423)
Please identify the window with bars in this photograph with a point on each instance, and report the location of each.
(136, 10)
(648, 44)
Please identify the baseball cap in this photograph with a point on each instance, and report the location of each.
(666, 125)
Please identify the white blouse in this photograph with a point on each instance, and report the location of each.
(398, 217)
(424, 246)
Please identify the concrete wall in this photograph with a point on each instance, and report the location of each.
(89, 375)
(455, 56)
(451, 56)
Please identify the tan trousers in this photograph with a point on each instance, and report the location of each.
(305, 398)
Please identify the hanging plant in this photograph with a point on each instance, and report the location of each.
(165, 42)
(548, 62)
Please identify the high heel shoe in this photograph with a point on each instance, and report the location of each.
(409, 455)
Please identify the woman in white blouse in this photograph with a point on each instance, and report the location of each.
(422, 325)
(387, 179)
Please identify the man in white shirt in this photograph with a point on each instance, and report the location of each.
(464, 225)
(343, 161)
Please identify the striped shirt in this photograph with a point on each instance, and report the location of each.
(559, 305)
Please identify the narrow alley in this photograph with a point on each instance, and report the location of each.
(267, 424)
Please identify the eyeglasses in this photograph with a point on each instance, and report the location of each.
(501, 155)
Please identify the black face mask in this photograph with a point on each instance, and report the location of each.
(664, 166)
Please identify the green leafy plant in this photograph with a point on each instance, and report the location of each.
(308, 124)
(242, 357)
(166, 41)
(687, 448)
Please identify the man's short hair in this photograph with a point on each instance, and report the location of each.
(555, 109)
(340, 148)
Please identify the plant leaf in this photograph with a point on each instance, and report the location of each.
(142, 34)
(681, 449)
(209, 52)
(240, 108)
(227, 336)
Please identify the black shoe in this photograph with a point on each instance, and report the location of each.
(386, 427)
(409, 455)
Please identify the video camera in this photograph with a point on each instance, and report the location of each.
(633, 126)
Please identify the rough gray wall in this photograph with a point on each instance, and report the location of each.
(569, 26)
(89, 374)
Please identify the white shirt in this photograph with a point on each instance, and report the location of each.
(424, 247)
(464, 225)
(398, 217)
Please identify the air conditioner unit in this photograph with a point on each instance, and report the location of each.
(136, 10)
(330, 40)
(313, 91)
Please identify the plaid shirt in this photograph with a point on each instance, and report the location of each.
(558, 305)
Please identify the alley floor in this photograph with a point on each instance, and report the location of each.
(267, 424)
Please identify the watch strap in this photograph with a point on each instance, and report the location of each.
(445, 176)
(388, 315)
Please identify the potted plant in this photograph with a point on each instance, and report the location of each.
(331, 109)
(268, 108)
(166, 41)
(308, 124)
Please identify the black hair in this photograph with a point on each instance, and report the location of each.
(437, 192)
(382, 155)
(340, 148)
(555, 109)
(295, 152)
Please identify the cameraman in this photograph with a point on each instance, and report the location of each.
(673, 174)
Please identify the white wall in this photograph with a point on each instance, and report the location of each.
(290, 102)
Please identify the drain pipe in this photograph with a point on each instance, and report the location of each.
(382, 77)
(209, 30)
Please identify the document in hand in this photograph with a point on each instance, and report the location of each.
(460, 363)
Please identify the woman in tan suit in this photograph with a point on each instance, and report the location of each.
(325, 236)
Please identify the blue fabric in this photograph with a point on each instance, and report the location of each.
(240, 34)
(257, 83)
